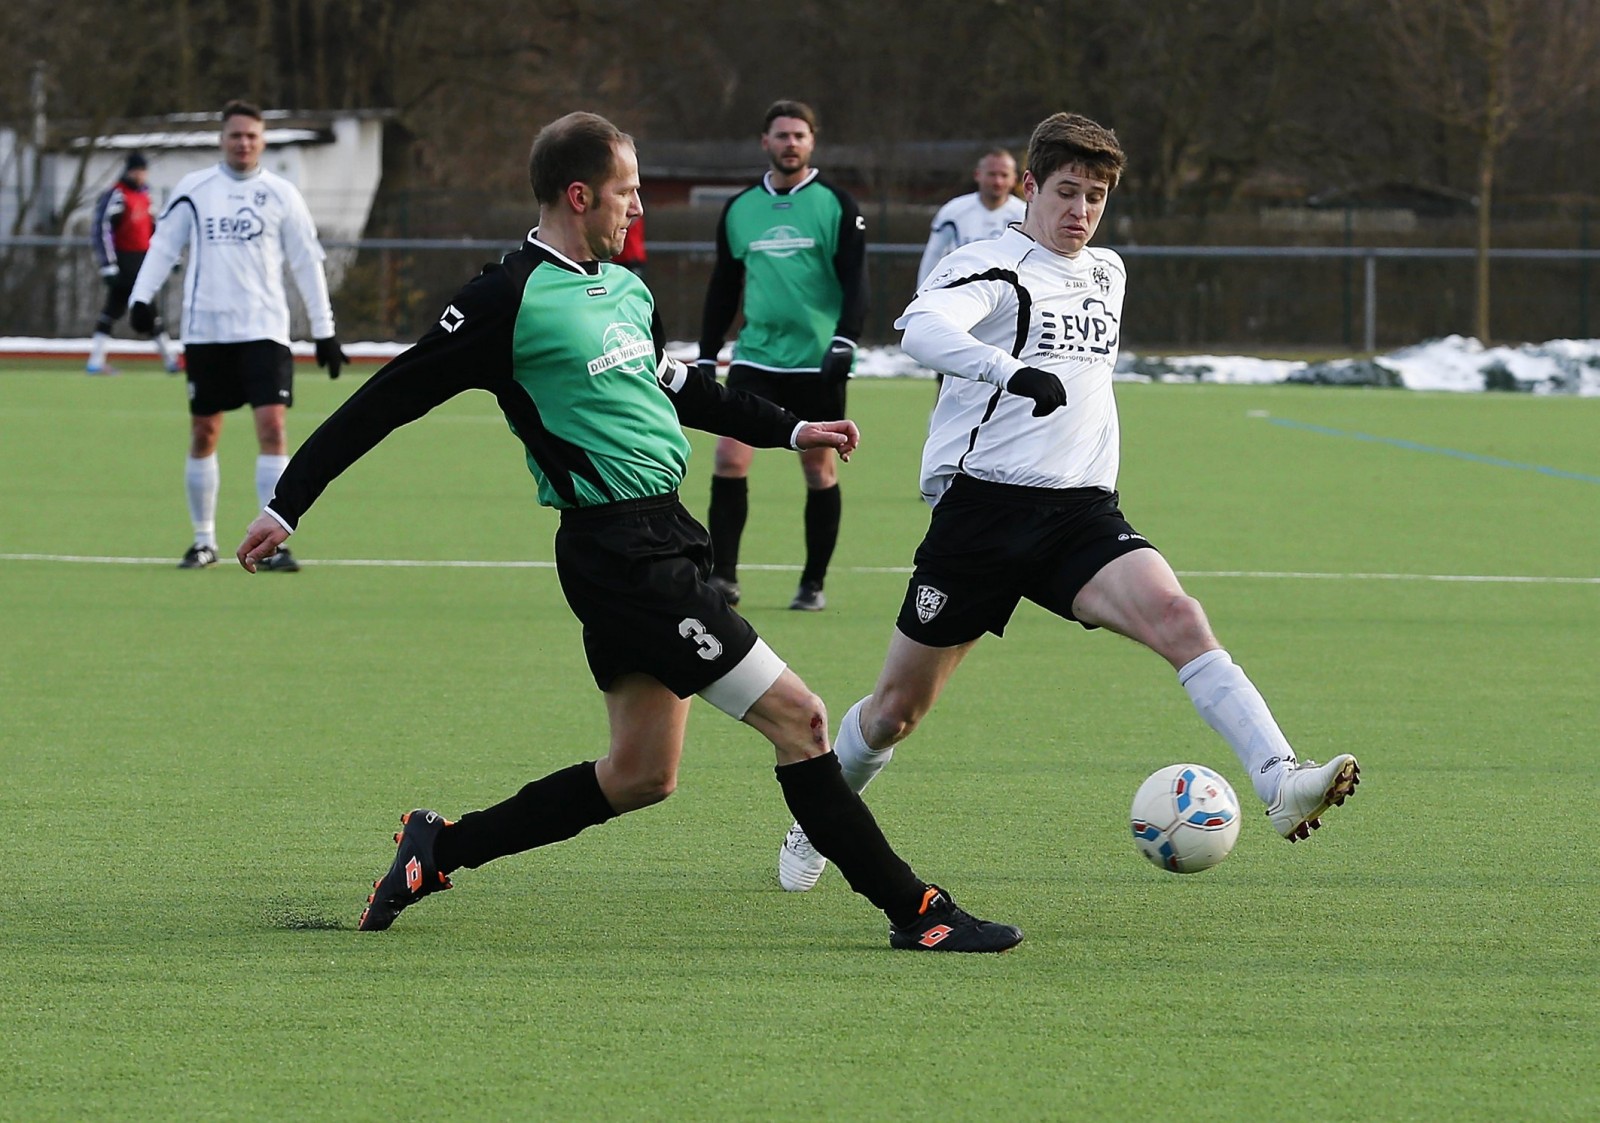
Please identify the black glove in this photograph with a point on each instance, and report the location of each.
(837, 360)
(1044, 388)
(329, 355)
(142, 318)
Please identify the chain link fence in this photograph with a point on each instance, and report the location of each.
(1356, 298)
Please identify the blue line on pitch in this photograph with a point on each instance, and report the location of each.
(1413, 446)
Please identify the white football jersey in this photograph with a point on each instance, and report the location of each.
(965, 220)
(239, 233)
(992, 308)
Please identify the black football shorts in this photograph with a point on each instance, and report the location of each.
(225, 376)
(989, 545)
(805, 394)
(634, 573)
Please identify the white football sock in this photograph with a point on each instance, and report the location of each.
(859, 761)
(1232, 706)
(268, 469)
(97, 350)
(169, 357)
(200, 480)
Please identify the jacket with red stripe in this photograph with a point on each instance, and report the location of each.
(122, 222)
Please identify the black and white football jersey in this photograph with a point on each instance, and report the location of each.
(238, 232)
(992, 308)
(962, 221)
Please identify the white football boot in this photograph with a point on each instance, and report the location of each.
(1307, 790)
(799, 864)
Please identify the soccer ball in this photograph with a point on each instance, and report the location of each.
(1185, 818)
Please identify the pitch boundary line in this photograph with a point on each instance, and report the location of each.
(901, 570)
(1436, 450)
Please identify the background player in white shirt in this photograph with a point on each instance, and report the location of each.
(978, 216)
(1021, 468)
(240, 225)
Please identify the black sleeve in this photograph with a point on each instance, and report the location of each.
(722, 294)
(704, 403)
(469, 348)
(850, 264)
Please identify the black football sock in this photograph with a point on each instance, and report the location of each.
(822, 532)
(545, 811)
(843, 830)
(730, 507)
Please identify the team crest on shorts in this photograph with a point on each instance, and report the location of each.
(930, 602)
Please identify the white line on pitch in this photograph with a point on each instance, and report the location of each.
(1249, 574)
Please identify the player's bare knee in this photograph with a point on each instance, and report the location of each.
(792, 717)
(893, 720)
(1184, 624)
(643, 790)
(731, 459)
(812, 715)
(802, 726)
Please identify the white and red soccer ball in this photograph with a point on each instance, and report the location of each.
(1185, 818)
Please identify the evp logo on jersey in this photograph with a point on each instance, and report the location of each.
(627, 349)
(244, 226)
(1091, 331)
(781, 241)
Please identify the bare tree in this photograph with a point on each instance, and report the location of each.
(1490, 67)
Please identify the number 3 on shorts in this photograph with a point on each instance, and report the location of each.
(710, 646)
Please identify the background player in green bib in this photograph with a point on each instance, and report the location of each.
(571, 347)
(795, 246)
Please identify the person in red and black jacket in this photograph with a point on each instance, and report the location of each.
(121, 236)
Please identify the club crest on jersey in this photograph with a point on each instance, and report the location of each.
(627, 349)
(781, 241)
(261, 198)
(930, 602)
(1102, 279)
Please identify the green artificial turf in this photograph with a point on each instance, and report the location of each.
(202, 772)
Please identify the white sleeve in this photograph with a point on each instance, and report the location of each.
(940, 242)
(938, 334)
(166, 247)
(304, 255)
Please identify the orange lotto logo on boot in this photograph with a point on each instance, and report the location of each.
(934, 935)
(413, 875)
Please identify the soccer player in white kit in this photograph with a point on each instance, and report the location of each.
(1020, 467)
(977, 216)
(240, 225)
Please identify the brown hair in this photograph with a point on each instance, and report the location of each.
(238, 108)
(1070, 140)
(787, 108)
(577, 148)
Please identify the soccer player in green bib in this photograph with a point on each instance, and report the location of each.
(795, 246)
(571, 347)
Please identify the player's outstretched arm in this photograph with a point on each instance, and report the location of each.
(841, 436)
(261, 540)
